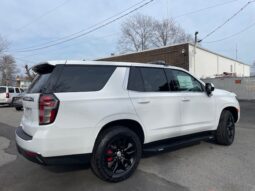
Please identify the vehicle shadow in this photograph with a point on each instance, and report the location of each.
(67, 168)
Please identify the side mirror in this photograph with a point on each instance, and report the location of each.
(209, 88)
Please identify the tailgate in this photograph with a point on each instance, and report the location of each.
(2, 94)
(40, 85)
(30, 119)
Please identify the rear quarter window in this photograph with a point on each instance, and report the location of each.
(83, 78)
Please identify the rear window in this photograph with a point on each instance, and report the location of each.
(45, 79)
(83, 78)
(2, 89)
(11, 90)
(39, 83)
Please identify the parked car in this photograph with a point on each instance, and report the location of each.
(7, 93)
(17, 101)
(108, 113)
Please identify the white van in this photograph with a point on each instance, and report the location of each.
(7, 93)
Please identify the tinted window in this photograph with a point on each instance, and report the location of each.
(182, 81)
(135, 81)
(154, 79)
(39, 83)
(21, 90)
(17, 90)
(2, 89)
(11, 90)
(83, 78)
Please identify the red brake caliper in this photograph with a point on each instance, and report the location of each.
(109, 152)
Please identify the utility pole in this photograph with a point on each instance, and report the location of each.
(195, 51)
(236, 52)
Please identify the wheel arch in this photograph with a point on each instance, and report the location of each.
(129, 123)
(233, 110)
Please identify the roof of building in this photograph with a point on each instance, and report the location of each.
(163, 47)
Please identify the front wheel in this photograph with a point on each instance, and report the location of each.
(116, 154)
(225, 132)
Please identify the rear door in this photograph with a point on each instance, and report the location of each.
(43, 82)
(157, 107)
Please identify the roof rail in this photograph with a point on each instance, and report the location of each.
(159, 62)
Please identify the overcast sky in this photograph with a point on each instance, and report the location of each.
(30, 23)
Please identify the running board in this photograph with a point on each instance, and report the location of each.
(176, 143)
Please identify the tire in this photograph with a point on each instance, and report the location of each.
(116, 154)
(18, 108)
(225, 132)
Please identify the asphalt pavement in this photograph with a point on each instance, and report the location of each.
(202, 167)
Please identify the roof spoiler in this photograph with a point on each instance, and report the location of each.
(43, 68)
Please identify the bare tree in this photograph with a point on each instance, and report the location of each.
(167, 32)
(142, 32)
(136, 33)
(30, 75)
(8, 70)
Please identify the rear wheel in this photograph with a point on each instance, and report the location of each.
(116, 154)
(225, 133)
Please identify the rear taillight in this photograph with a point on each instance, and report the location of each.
(48, 108)
(7, 95)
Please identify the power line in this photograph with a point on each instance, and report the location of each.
(69, 45)
(229, 19)
(41, 16)
(203, 9)
(91, 27)
(230, 36)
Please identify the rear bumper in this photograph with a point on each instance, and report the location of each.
(46, 151)
(60, 160)
(5, 101)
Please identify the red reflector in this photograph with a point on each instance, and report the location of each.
(7, 95)
(30, 154)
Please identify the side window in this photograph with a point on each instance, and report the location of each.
(17, 90)
(154, 79)
(11, 90)
(182, 81)
(135, 81)
(83, 78)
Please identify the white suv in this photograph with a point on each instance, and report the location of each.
(111, 112)
(7, 94)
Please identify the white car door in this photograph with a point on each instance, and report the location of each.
(158, 108)
(197, 109)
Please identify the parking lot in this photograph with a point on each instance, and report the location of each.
(205, 166)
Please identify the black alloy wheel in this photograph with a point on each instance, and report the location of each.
(120, 156)
(225, 132)
(116, 154)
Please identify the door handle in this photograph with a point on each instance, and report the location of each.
(144, 102)
(185, 99)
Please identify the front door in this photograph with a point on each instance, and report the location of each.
(197, 109)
